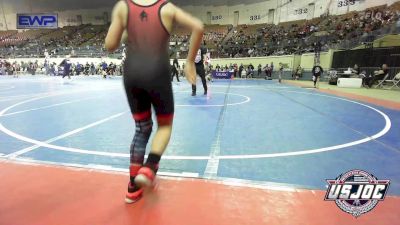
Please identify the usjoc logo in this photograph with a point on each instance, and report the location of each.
(356, 192)
(35, 21)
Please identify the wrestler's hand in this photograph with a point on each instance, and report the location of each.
(190, 72)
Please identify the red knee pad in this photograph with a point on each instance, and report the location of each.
(142, 115)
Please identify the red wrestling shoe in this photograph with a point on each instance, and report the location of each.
(132, 195)
(146, 178)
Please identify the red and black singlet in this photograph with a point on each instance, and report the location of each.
(146, 31)
(147, 75)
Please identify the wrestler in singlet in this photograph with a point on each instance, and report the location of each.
(147, 78)
(147, 66)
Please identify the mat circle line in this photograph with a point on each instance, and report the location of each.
(253, 156)
(248, 99)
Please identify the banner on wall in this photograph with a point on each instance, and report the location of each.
(222, 74)
(37, 21)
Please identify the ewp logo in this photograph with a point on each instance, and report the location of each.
(34, 21)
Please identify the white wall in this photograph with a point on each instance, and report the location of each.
(93, 16)
(359, 5)
(248, 14)
(286, 10)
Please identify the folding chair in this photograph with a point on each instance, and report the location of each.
(395, 81)
(380, 83)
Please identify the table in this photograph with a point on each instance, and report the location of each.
(349, 82)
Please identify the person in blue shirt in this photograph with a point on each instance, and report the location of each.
(66, 63)
(78, 68)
